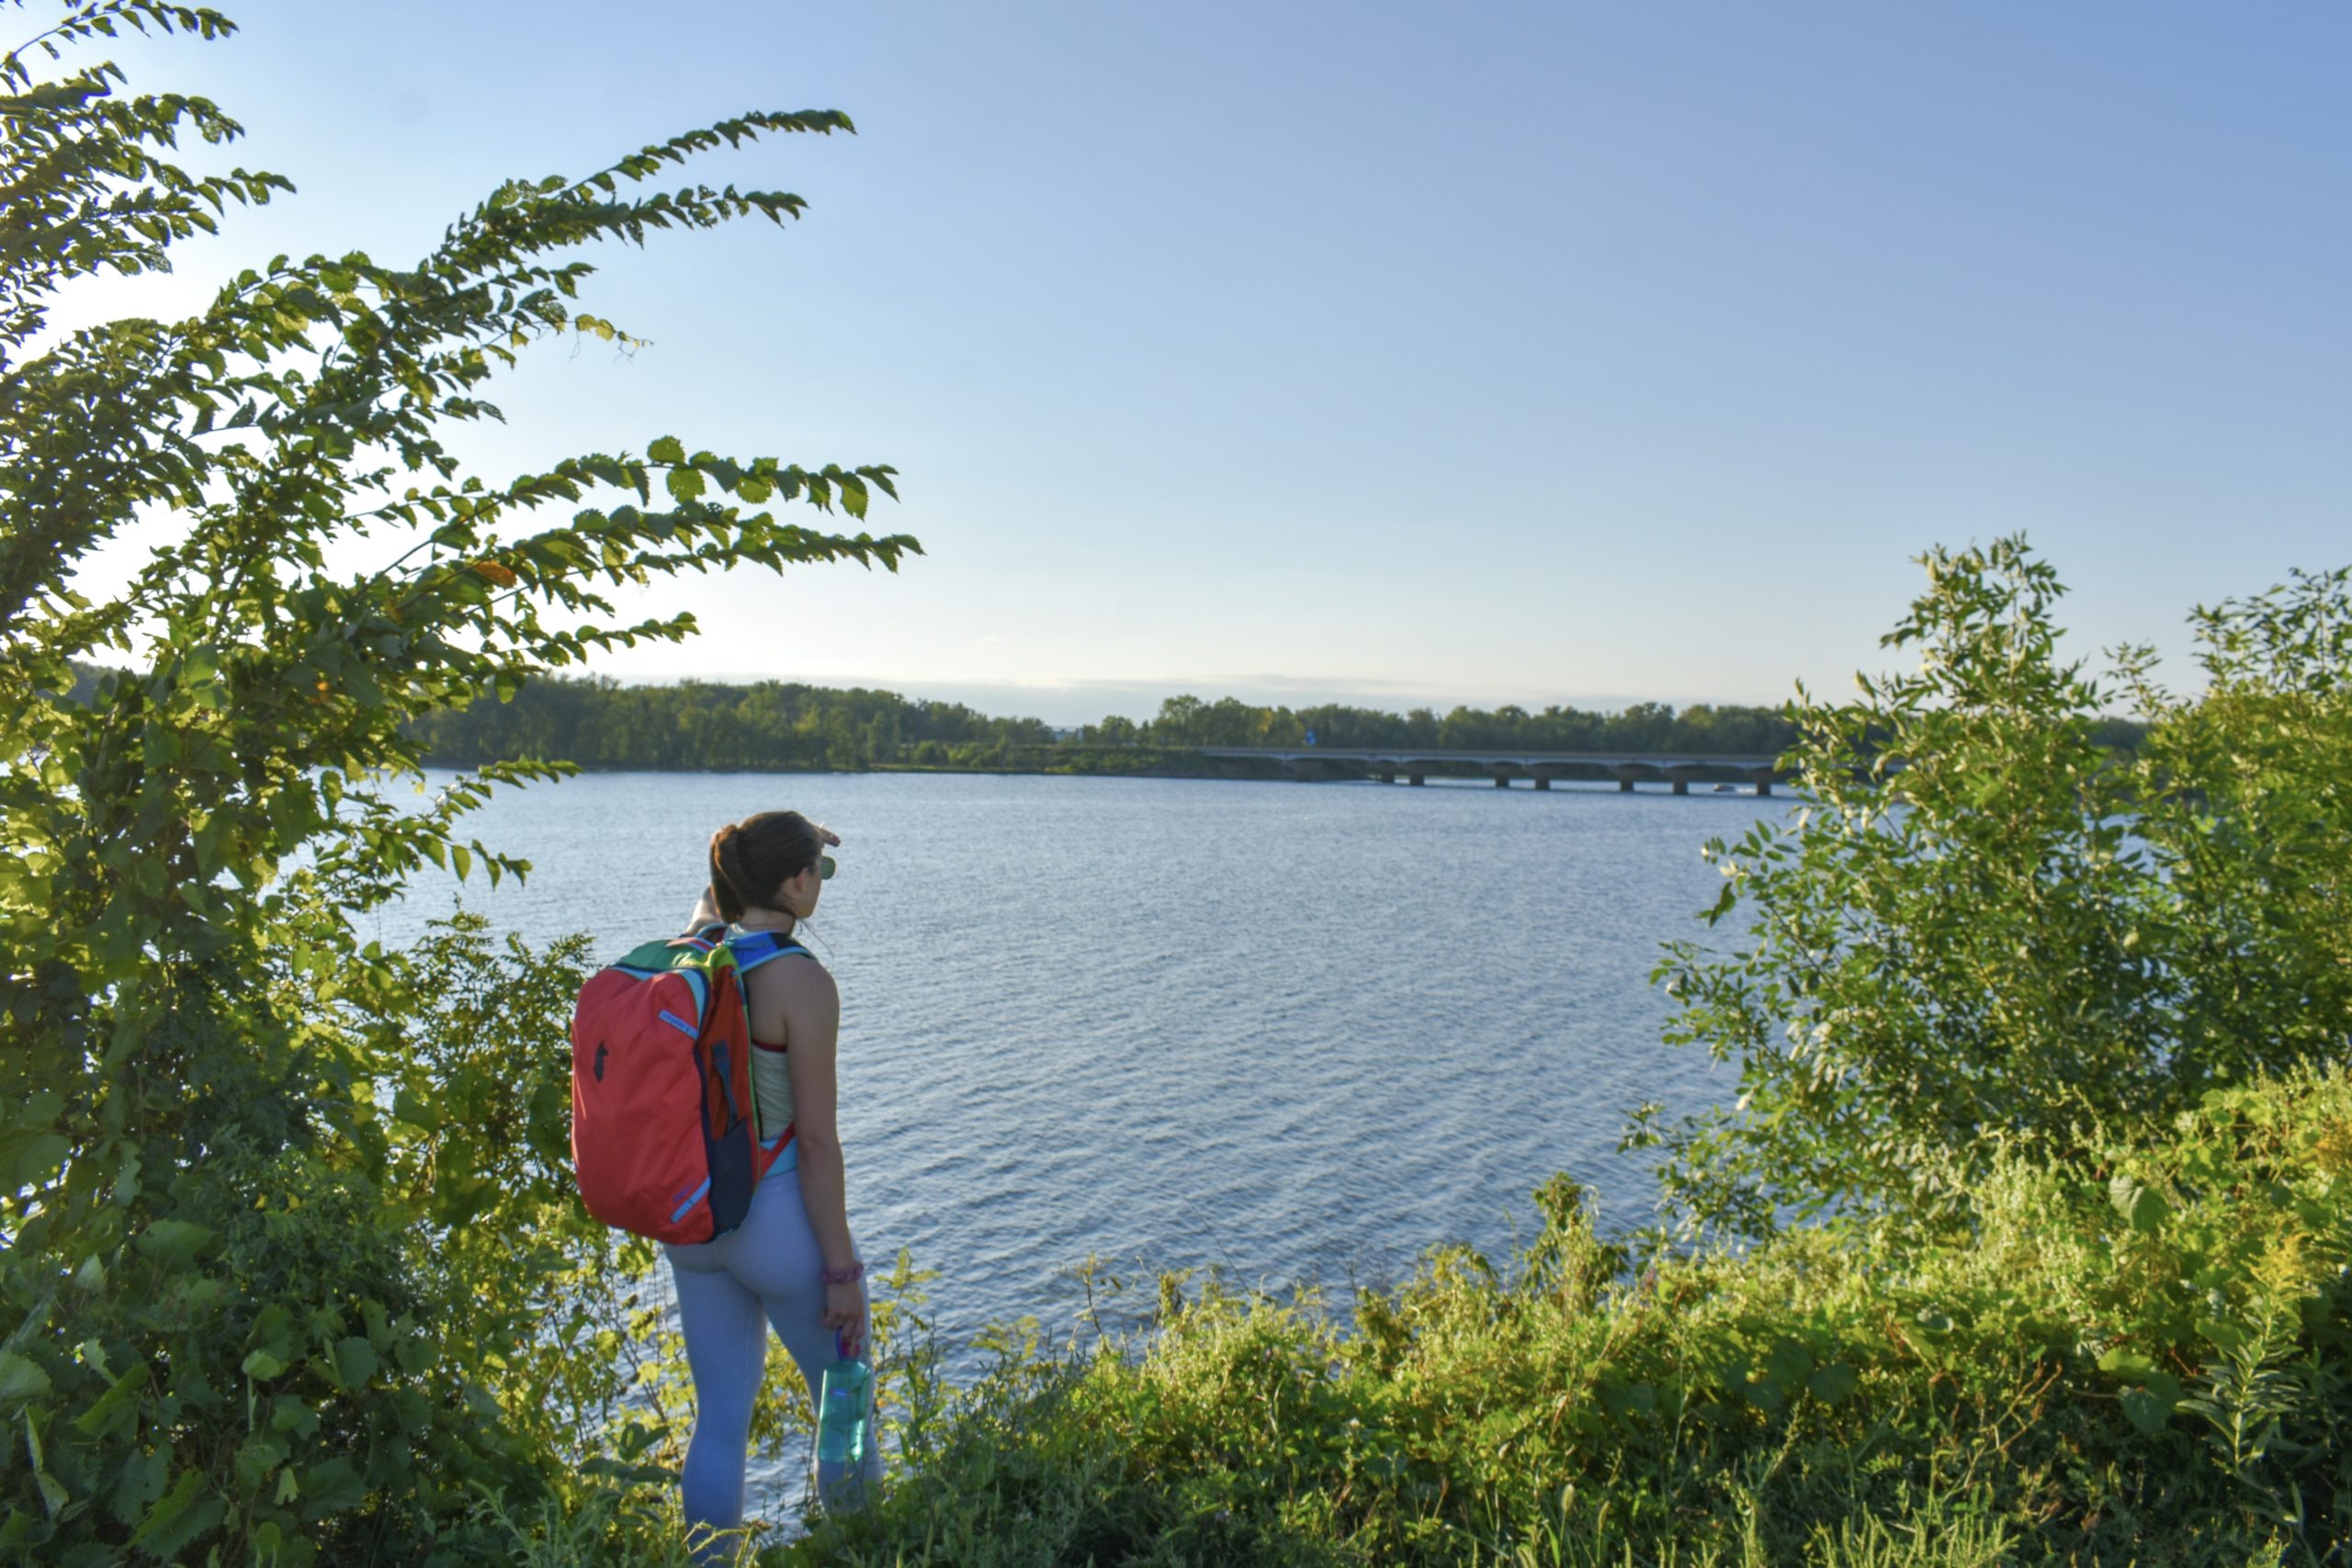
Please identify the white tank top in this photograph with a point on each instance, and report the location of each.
(771, 1090)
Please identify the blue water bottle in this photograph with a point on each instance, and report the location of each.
(842, 1402)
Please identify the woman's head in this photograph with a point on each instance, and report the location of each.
(768, 862)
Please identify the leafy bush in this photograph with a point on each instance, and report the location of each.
(288, 1271)
(2142, 1356)
(1985, 931)
(295, 1347)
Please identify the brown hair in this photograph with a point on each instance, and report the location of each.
(747, 859)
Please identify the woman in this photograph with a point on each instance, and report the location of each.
(791, 1265)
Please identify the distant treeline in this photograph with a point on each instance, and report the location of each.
(601, 723)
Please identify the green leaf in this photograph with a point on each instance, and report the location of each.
(1625, 1399)
(667, 449)
(287, 1413)
(178, 1517)
(2143, 1207)
(1788, 1363)
(261, 1366)
(1833, 1383)
(117, 1410)
(2222, 1334)
(141, 1481)
(2149, 1407)
(39, 1157)
(21, 1379)
(260, 1456)
(355, 1361)
(2123, 1362)
(173, 1244)
(332, 1487)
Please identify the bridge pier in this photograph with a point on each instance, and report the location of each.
(1389, 765)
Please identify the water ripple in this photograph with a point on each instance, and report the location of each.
(1298, 1032)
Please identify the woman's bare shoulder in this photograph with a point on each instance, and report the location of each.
(794, 976)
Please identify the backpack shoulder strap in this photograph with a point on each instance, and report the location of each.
(695, 946)
(754, 948)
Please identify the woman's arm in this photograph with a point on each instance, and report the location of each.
(705, 911)
(811, 1007)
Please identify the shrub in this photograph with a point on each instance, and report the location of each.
(2141, 1356)
(1983, 931)
(286, 1275)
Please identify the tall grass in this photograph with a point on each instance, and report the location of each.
(2143, 1360)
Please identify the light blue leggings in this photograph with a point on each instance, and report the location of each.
(766, 1268)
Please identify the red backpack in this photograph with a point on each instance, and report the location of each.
(665, 1135)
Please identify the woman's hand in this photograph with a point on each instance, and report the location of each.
(844, 1314)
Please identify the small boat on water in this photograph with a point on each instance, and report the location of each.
(1726, 789)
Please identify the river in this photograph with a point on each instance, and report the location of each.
(1297, 1031)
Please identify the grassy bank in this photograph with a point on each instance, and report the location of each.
(2144, 1361)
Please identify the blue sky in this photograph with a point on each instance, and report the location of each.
(1403, 353)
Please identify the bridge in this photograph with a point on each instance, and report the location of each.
(1679, 768)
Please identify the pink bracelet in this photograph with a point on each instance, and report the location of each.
(849, 1275)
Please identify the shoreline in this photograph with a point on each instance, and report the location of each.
(1211, 771)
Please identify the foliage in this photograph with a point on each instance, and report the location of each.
(476, 1120)
(2243, 789)
(1644, 727)
(282, 1248)
(2141, 1356)
(601, 723)
(1984, 931)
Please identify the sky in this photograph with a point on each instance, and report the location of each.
(1390, 353)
